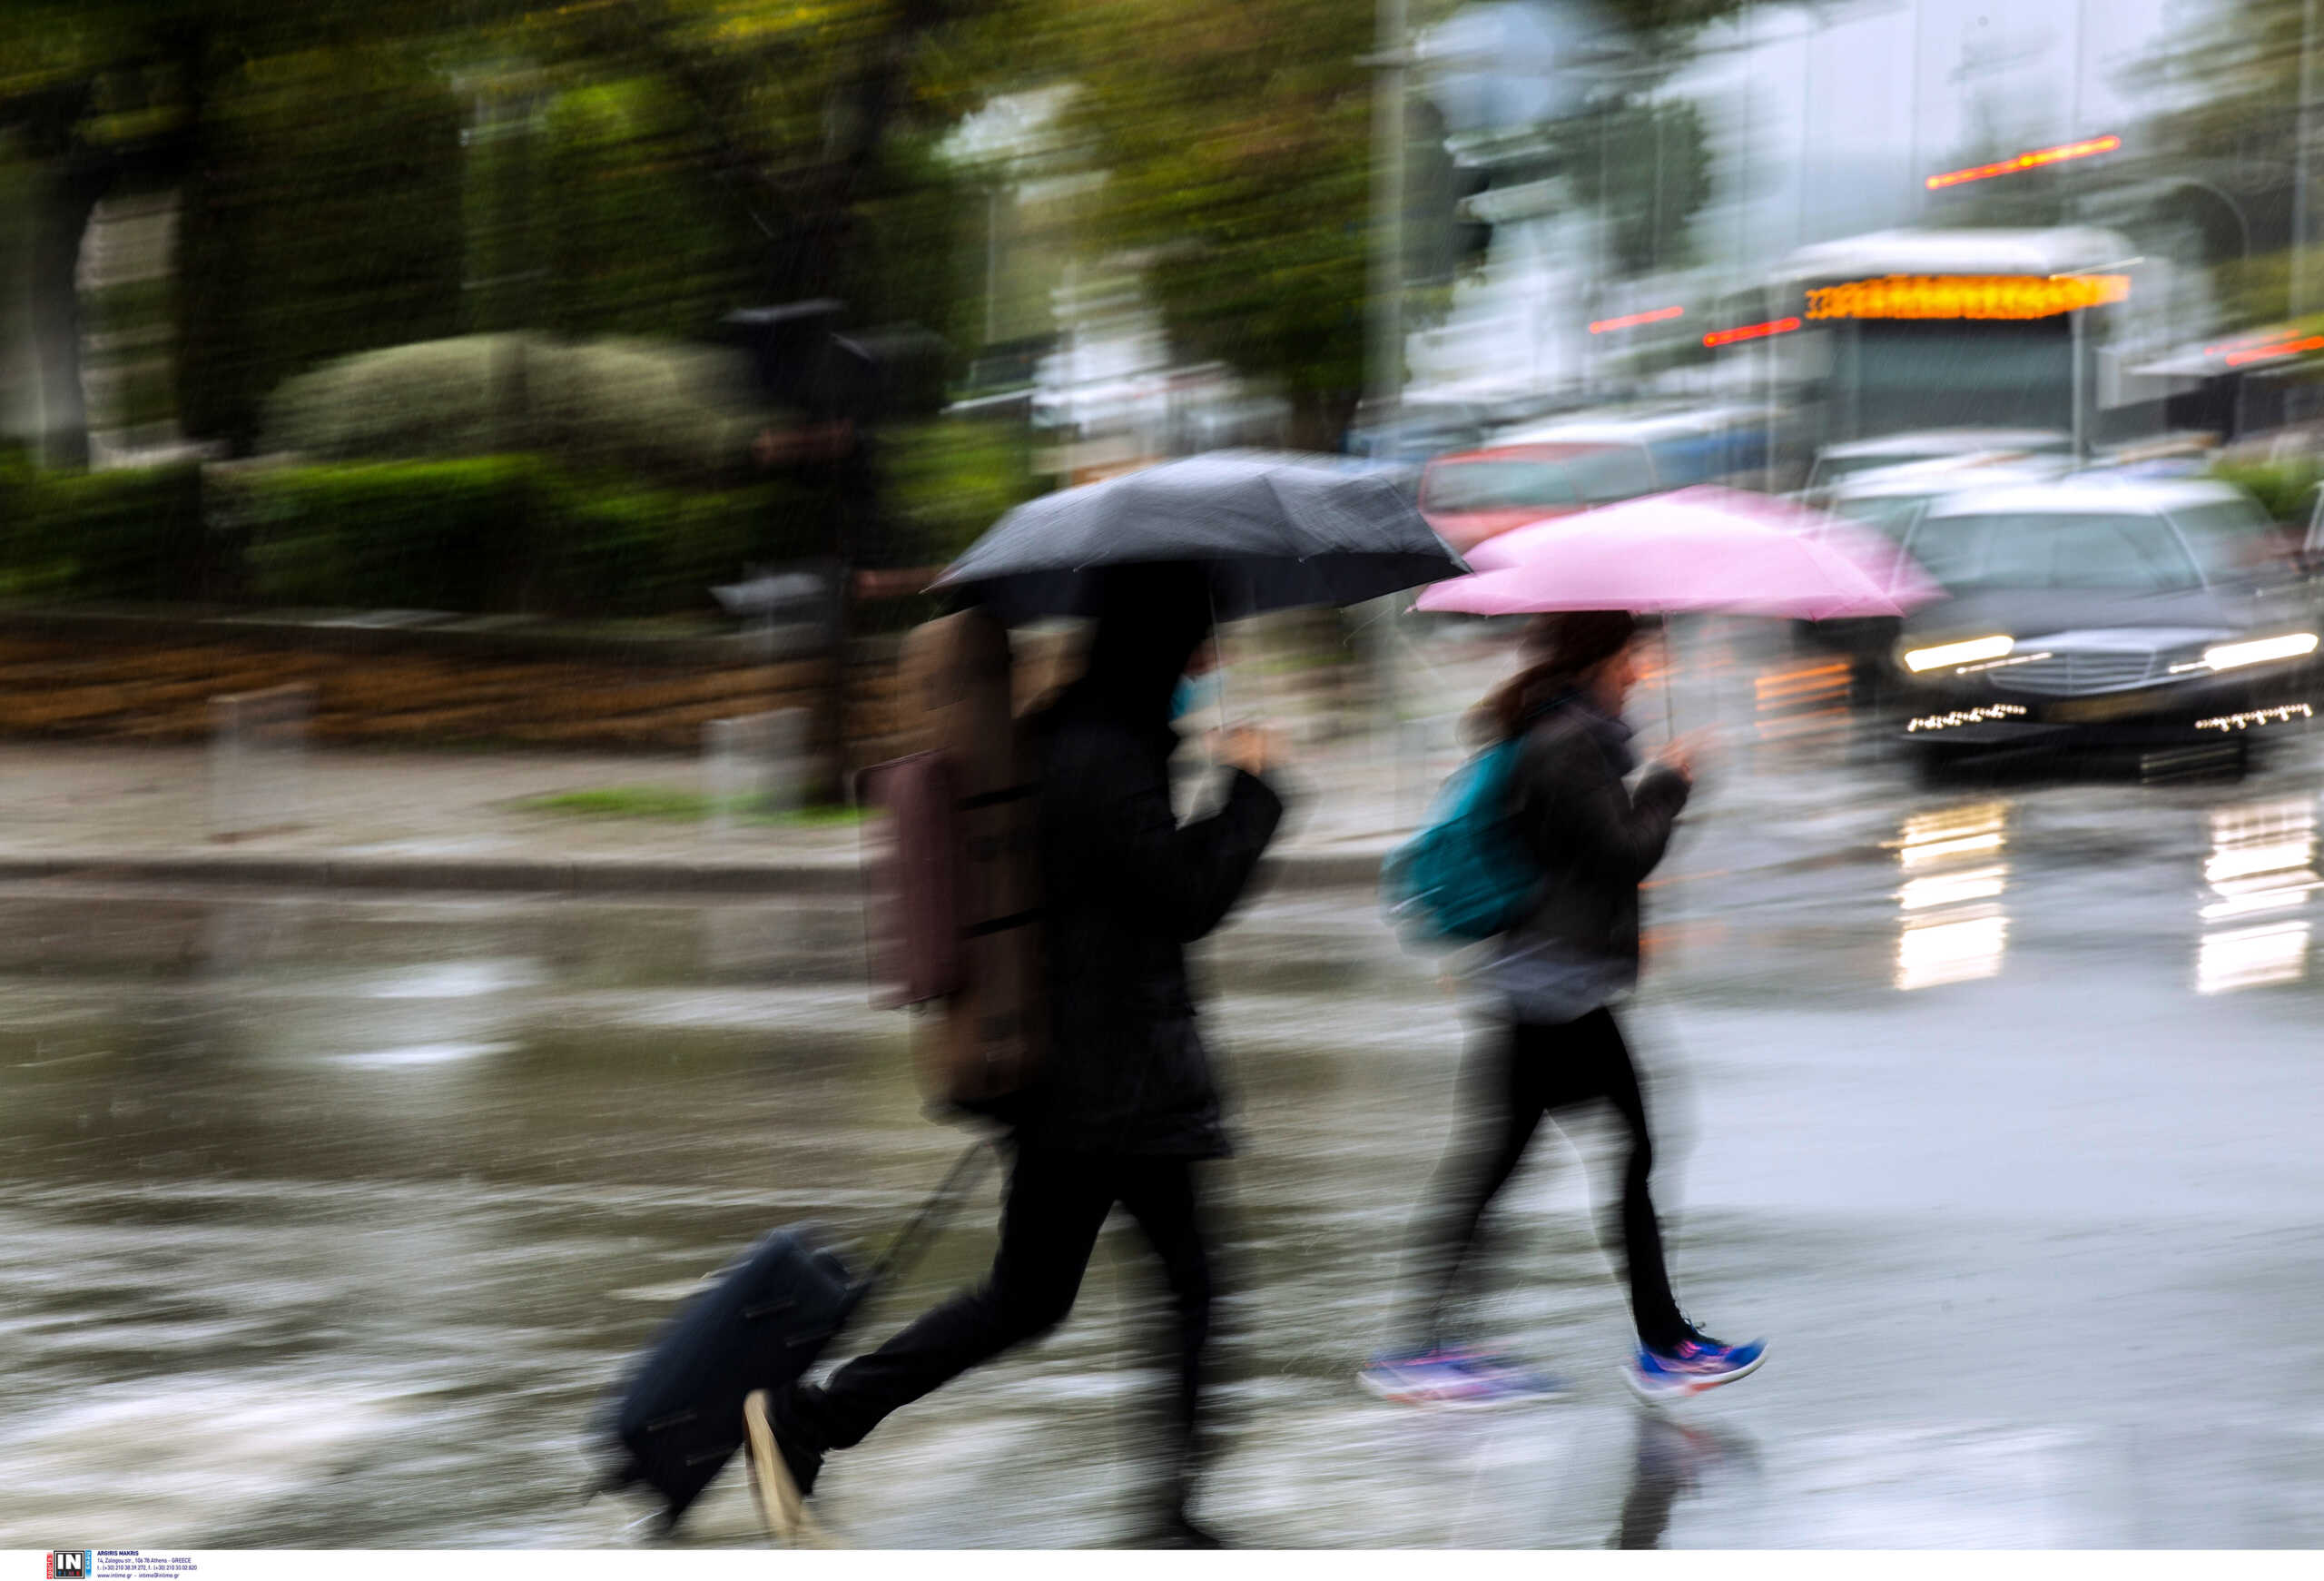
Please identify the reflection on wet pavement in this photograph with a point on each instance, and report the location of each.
(1673, 1460)
(1953, 927)
(2262, 863)
(1802, 703)
(331, 1219)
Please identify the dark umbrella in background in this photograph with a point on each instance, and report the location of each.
(1277, 532)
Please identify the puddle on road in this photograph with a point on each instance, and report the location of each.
(1953, 926)
(2260, 876)
(174, 1459)
(345, 1214)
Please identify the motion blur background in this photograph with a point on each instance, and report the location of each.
(466, 467)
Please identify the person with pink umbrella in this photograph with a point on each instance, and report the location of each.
(1570, 950)
(1556, 1048)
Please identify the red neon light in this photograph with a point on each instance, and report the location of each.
(1632, 320)
(1750, 332)
(2039, 156)
(2274, 349)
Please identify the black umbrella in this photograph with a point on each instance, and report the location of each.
(1277, 532)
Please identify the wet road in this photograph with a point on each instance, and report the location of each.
(1995, 1106)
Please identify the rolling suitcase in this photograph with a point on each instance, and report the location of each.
(764, 1321)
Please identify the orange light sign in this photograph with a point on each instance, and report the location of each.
(1967, 296)
(2032, 160)
(1751, 332)
(2269, 351)
(1632, 320)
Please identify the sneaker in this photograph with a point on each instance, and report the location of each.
(1177, 1529)
(1693, 1365)
(1456, 1379)
(783, 1466)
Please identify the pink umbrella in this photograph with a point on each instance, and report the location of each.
(1695, 549)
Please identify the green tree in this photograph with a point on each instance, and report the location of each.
(321, 217)
(1236, 142)
(721, 151)
(1645, 164)
(2224, 156)
(815, 119)
(1234, 136)
(103, 97)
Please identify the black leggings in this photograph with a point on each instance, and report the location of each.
(1512, 1078)
(1057, 1204)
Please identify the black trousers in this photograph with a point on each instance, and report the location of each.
(1511, 1078)
(1057, 1203)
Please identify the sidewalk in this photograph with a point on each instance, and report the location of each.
(470, 820)
(368, 818)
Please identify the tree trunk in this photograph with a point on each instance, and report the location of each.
(1319, 419)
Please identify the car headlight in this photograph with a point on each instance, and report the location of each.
(2230, 656)
(1918, 659)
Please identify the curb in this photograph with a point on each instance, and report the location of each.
(1295, 871)
(504, 876)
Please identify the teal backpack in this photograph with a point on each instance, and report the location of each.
(1464, 877)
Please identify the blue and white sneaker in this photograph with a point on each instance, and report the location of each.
(1457, 1379)
(1693, 1365)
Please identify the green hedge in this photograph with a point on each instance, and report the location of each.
(947, 481)
(2281, 488)
(672, 413)
(133, 535)
(494, 534)
(423, 535)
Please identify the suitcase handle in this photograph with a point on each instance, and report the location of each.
(940, 1202)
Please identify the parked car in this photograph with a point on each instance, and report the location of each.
(1694, 445)
(1836, 462)
(1890, 499)
(1554, 469)
(2101, 609)
(1470, 495)
(1420, 431)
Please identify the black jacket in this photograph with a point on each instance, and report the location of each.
(1594, 838)
(1125, 888)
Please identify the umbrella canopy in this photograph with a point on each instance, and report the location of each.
(1276, 530)
(1697, 549)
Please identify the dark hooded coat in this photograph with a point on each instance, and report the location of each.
(1126, 887)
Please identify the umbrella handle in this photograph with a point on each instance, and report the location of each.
(1219, 654)
(1669, 664)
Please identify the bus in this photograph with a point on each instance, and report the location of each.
(1907, 332)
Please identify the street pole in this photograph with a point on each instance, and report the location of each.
(2302, 300)
(2081, 394)
(1913, 121)
(1605, 252)
(1387, 351)
(1384, 358)
(1654, 214)
(991, 263)
(2081, 32)
(1806, 125)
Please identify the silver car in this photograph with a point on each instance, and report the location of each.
(1835, 464)
(1891, 499)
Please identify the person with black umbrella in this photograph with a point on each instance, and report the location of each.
(1125, 1106)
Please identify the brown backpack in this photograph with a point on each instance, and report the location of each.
(954, 910)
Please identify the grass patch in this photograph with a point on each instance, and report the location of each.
(648, 801)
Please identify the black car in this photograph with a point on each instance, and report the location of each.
(2095, 611)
